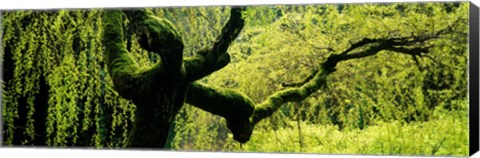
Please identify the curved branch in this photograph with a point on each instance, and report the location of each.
(159, 36)
(121, 67)
(219, 101)
(207, 61)
(235, 107)
(298, 84)
(275, 101)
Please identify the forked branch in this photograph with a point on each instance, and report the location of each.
(319, 80)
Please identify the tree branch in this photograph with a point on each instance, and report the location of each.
(207, 61)
(389, 44)
(235, 107)
(124, 71)
(374, 46)
(310, 77)
(121, 67)
(159, 36)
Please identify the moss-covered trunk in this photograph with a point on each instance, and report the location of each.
(153, 117)
(159, 91)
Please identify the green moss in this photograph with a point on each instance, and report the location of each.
(209, 60)
(147, 88)
(121, 66)
(159, 36)
(276, 100)
(235, 107)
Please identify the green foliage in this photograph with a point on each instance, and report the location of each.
(444, 136)
(64, 48)
(389, 103)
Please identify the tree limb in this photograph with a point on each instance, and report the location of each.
(391, 42)
(374, 46)
(159, 36)
(121, 67)
(207, 61)
(235, 107)
(310, 77)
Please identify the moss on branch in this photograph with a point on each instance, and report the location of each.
(121, 67)
(209, 60)
(235, 107)
(276, 100)
(319, 80)
(159, 36)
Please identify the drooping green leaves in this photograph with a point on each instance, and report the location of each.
(60, 50)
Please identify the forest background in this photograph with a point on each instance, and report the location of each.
(57, 91)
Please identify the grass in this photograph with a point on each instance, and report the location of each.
(446, 135)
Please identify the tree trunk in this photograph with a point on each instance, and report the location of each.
(159, 91)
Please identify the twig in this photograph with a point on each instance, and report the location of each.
(436, 147)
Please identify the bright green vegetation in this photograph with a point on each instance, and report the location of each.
(443, 136)
(356, 78)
